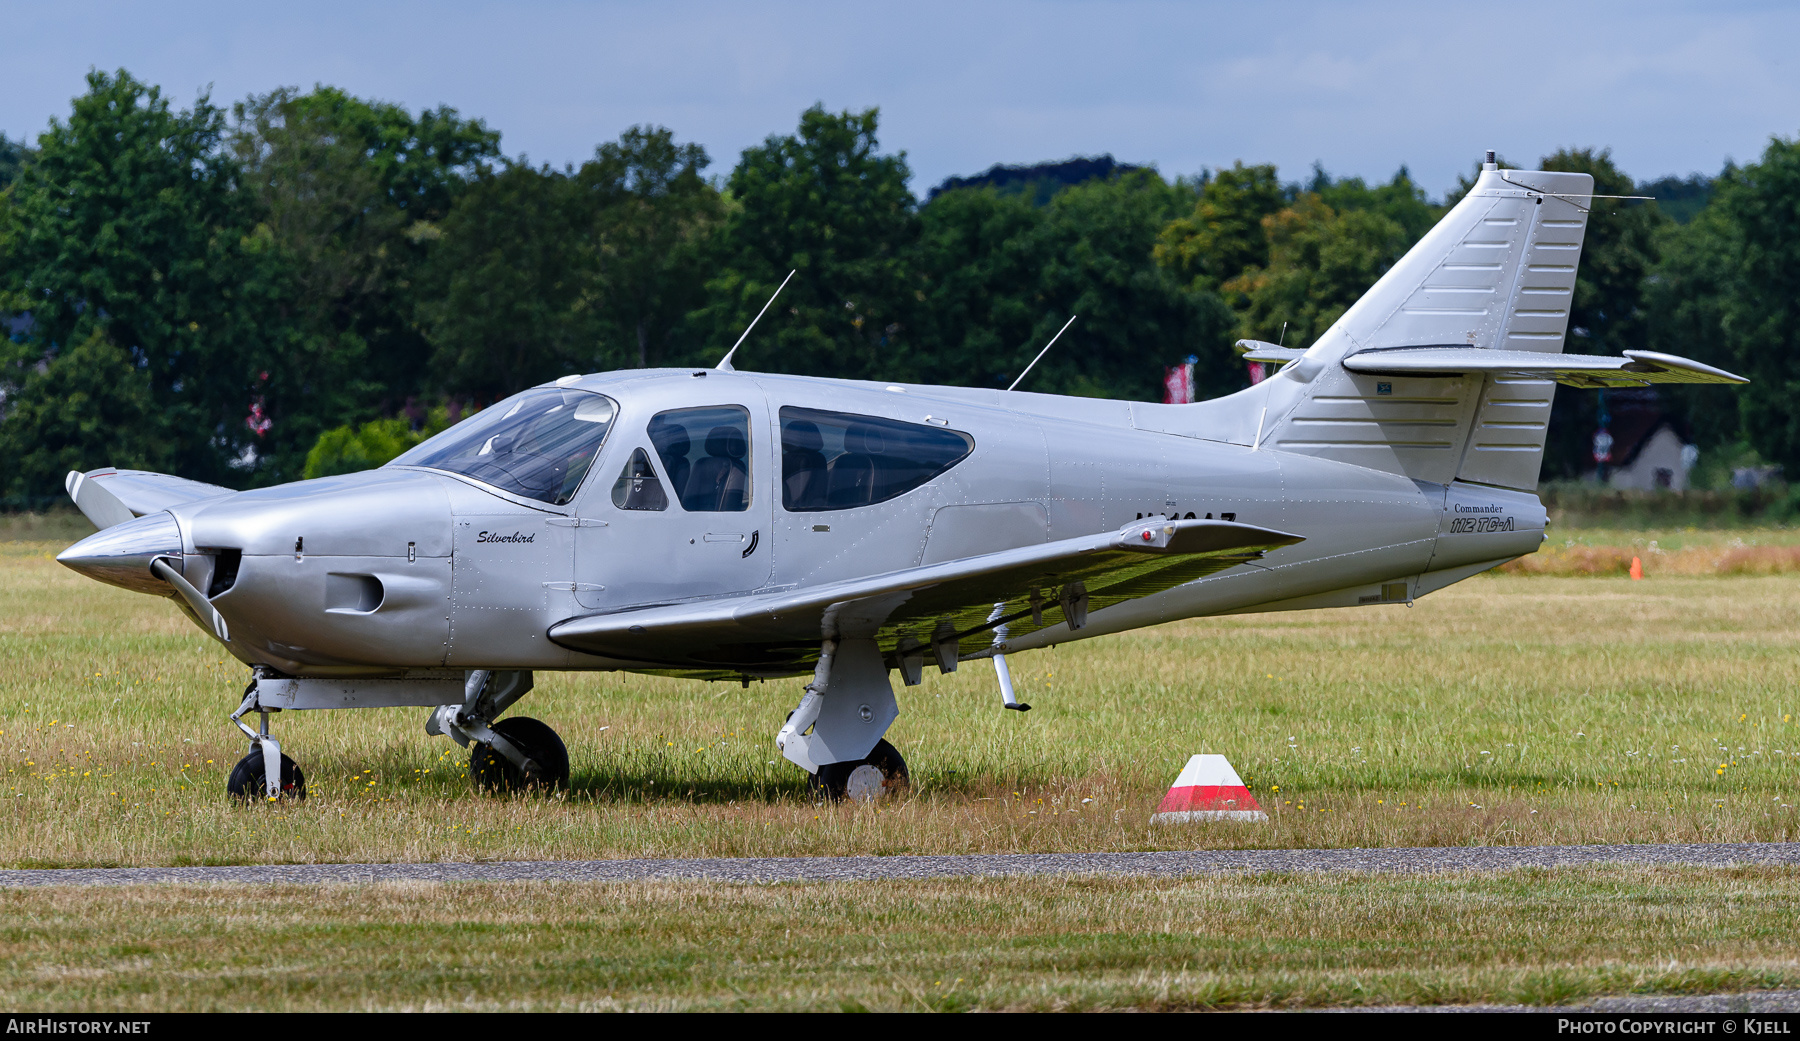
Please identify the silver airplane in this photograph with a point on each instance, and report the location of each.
(717, 524)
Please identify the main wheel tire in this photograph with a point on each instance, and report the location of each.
(880, 773)
(246, 783)
(492, 771)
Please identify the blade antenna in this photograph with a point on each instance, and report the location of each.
(1046, 350)
(725, 362)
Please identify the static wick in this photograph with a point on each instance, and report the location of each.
(1046, 350)
(725, 362)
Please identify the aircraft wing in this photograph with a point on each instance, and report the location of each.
(1635, 369)
(911, 612)
(108, 497)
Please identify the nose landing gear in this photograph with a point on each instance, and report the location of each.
(249, 779)
(265, 773)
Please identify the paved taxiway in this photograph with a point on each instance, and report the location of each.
(839, 869)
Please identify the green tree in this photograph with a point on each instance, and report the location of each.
(539, 273)
(90, 405)
(1759, 316)
(1400, 200)
(1686, 299)
(129, 226)
(653, 217)
(349, 194)
(1097, 251)
(1607, 315)
(825, 202)
(509, 304)
(1681, 199)
(347, 449)
(13, 157)
(1000, 276)
(1225, 233)
(984, 313)
(1320, 262)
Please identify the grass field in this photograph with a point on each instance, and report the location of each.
(1508, 709)
(1575, 706)
(1530, 937)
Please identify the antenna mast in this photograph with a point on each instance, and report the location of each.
(1046, 350)
(725, 362)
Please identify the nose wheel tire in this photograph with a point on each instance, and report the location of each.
(492, 771)
(882, 772)
(247, 781)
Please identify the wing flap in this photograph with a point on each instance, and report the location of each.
(1635, 369)
(1005, 594)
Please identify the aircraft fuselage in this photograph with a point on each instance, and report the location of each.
(409, 567)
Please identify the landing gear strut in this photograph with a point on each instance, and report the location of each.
(513, 754)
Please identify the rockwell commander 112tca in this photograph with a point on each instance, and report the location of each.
(717, 524)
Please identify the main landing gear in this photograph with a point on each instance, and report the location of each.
(514, 754)
(836, 731)
(545, 761)
(881, 772)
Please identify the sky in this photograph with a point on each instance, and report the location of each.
(1671, 88)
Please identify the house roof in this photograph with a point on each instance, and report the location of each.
(1636, 417)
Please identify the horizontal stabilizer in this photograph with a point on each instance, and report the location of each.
(919, 610)
(1635, 369)
(1264, 351)
(108, 497)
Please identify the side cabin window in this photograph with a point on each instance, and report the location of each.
(836, 461)
(637, 487)
(705, 454)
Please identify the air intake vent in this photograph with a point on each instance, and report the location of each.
(225, 571)
(352, 594)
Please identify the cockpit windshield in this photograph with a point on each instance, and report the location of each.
(538, 444)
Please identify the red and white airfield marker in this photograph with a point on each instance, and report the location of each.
(1208, 790)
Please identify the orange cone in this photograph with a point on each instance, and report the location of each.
(1637, 569)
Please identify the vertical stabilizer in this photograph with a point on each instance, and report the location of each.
(1497, 272)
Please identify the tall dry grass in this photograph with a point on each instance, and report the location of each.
(1575, 559)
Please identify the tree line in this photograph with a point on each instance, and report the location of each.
(307, 282)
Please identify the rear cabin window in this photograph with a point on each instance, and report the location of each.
(705, 454)
(837, 461)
